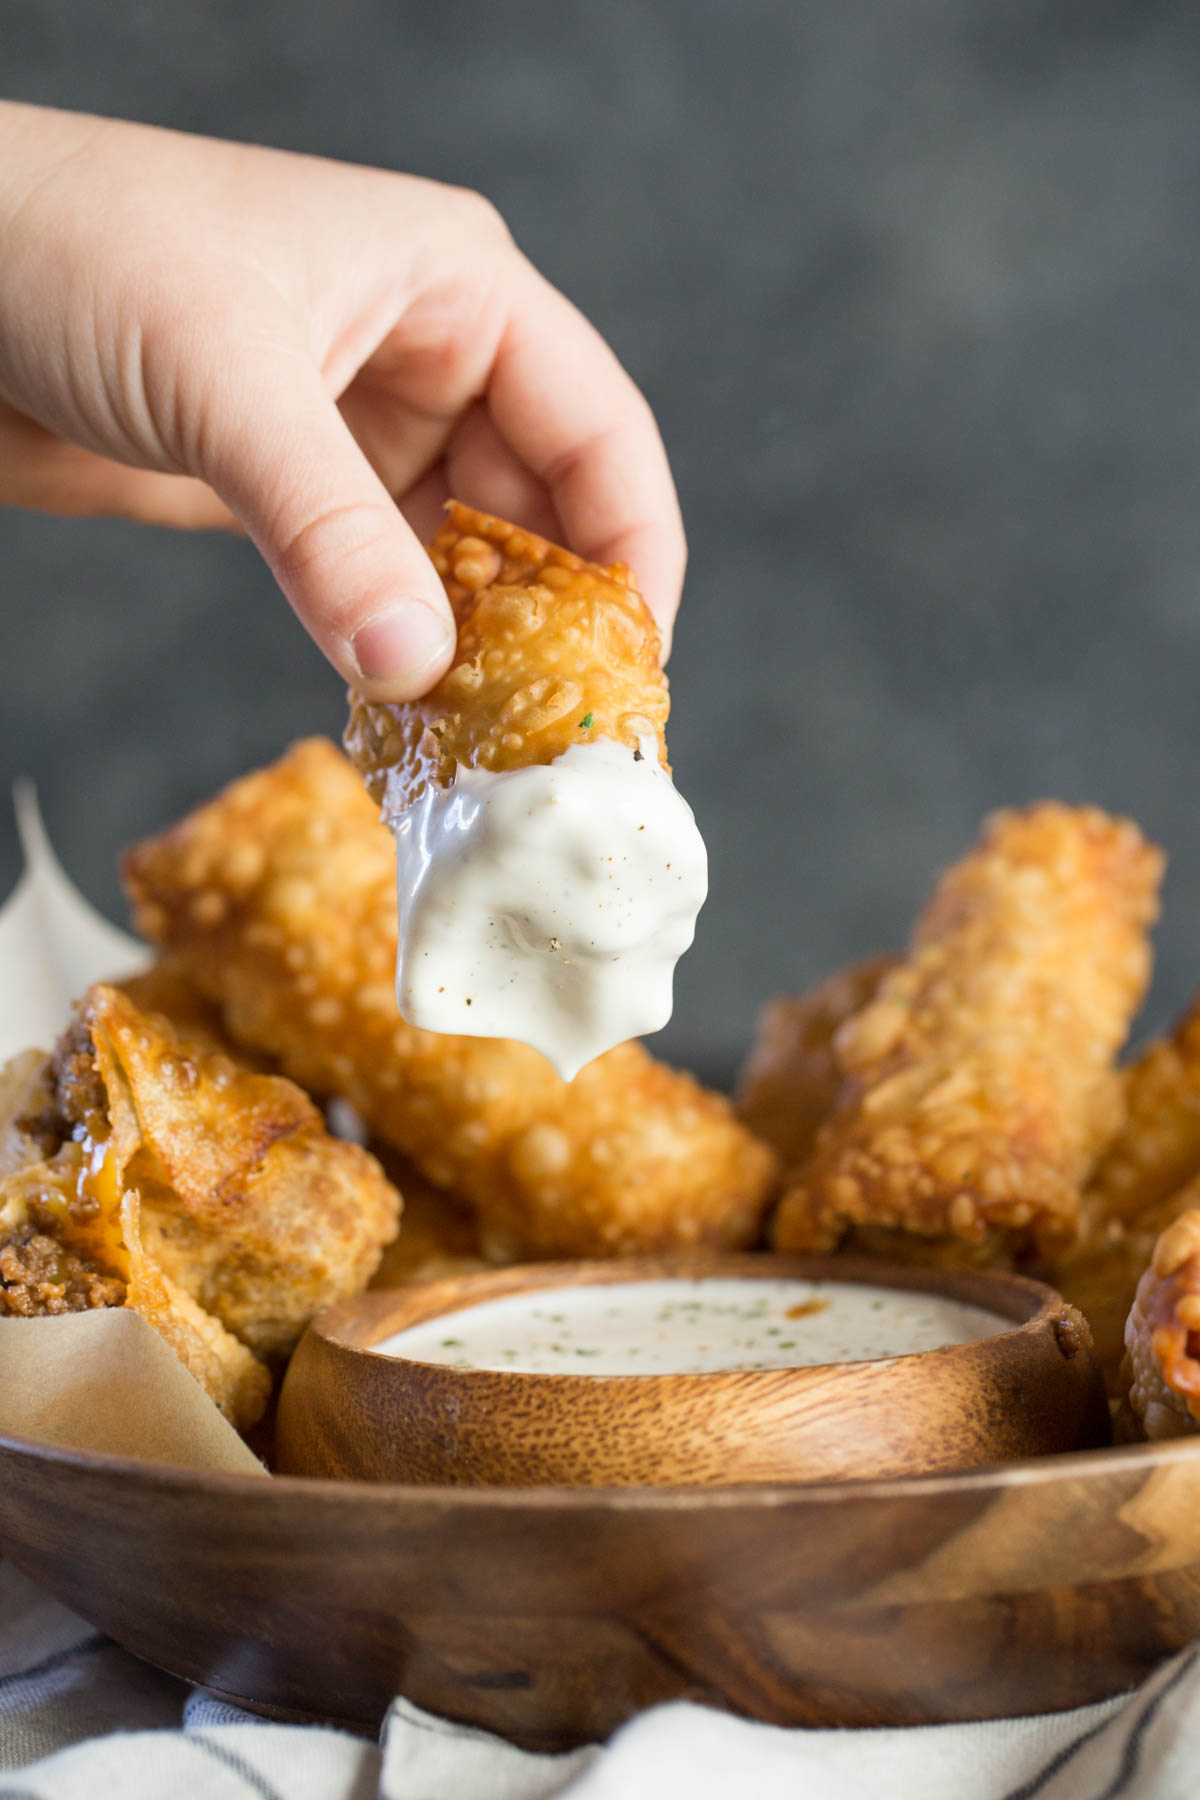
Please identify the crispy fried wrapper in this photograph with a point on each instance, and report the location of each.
(149, 1170)
(552, 651)
(791, 1078)
(278, 900)
(1157, 1148)
(980, 1083)
(1162, 1335)
(1145, 1179)
(439, 1236)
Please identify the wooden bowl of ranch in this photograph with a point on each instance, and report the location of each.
(690, 1371)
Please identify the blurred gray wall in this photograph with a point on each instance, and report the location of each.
(914, 286)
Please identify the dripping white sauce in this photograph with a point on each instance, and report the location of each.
(549, 903)
(682, 1327)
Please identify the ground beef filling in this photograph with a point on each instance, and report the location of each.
(39, 1277)
(38, 1274)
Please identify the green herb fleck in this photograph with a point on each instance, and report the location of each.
(587, 721)
(451, 1343)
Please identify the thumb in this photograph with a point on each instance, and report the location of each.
(286, 463)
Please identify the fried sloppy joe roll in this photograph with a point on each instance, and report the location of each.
(70, 1237)
(201, 1194)
(1162, 1335)
(552, 652)
(277, 898)
(980, 1085)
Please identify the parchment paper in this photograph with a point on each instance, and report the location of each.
(100, 1381)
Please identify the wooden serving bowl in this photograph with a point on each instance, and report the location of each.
(552, 1615)
(347, 1412)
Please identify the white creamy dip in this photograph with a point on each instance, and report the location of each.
(677, 1327)
(548, 903)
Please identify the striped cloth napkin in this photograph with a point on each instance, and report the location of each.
(80, 1718)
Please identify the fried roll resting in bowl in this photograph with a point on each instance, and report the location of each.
(277, 899)
(978, 1082)
(548, 872)
(147, 1169)
(1162, 1336)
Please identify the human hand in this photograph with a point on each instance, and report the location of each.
(196, 333)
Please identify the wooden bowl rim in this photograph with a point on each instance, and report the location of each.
(330, 1490)
(1046, 1307)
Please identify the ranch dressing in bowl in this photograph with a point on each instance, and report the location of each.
(548, 903)
(696, 1327)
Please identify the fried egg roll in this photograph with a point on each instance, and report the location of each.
(980, 1085)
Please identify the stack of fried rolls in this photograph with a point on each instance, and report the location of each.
(277, 900)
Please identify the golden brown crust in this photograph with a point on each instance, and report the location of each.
(980, 1086)
(1157, 1148)
(439, 1236)
(70, 1241)
(278, 898)
(246, 1201)
(791, 1078)
(165, 989)
(197, 1192)
(552, 651)
(1148, 1175)
(1162, 1367)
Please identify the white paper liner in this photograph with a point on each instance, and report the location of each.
(100, 1381)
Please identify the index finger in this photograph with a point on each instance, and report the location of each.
(561, 399)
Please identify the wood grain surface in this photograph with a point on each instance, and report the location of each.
(1026, 1392)
(552, 1615)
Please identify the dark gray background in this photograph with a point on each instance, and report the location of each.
(914, 286)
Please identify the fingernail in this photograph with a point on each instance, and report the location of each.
(401, 642)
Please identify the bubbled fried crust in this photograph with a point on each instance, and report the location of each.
(791, 1078)
(1162, 1337)
(439, 1236)
(1148, 1175)
(1158, 1147)
(278, 898)
(552, 651)
(980, 1085)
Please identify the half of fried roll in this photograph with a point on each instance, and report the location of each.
(210, 1194)
(552, 651)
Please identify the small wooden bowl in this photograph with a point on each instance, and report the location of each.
(347, 1412)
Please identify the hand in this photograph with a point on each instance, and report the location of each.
(196, 333)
